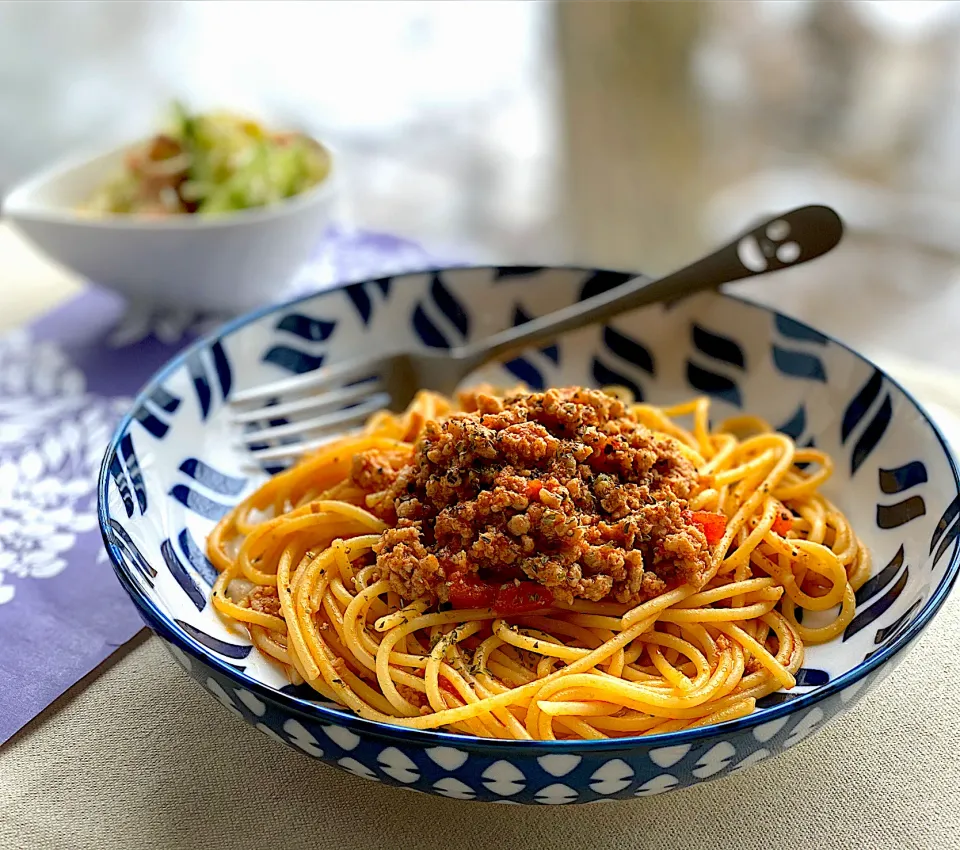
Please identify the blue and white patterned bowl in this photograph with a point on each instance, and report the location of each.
(171, 471)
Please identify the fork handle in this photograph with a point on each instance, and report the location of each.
(781, 242)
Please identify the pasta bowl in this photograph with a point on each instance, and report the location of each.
(173, 469)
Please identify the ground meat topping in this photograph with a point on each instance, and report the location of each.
(561, 488)
(265, 600)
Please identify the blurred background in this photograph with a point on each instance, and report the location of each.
(623, 134)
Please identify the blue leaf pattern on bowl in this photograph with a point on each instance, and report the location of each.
(894, 477)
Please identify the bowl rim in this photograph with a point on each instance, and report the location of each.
(16, 204)
(296, 706)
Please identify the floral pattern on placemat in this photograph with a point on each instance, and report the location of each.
(52, 433)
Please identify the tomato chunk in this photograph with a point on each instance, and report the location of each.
(712, 525)
(533, 489)
(508, 600)
(523, 598)
(471, 592)
(783, 523)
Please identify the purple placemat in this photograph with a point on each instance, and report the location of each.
(64, 382)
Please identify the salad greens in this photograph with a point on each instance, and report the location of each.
(210, 164)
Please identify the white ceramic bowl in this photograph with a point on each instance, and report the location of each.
(224, 264)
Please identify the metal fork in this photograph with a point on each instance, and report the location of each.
(335, 398)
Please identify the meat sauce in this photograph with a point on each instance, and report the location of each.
(517, 502)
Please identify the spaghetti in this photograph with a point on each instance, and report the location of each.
(686, 621)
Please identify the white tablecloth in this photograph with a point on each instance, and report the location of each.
(138, 757)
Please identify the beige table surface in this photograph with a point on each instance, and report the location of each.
(138, 757)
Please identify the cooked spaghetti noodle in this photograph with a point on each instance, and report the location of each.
(305, 567)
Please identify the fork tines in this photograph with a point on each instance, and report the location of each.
(288, 418)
